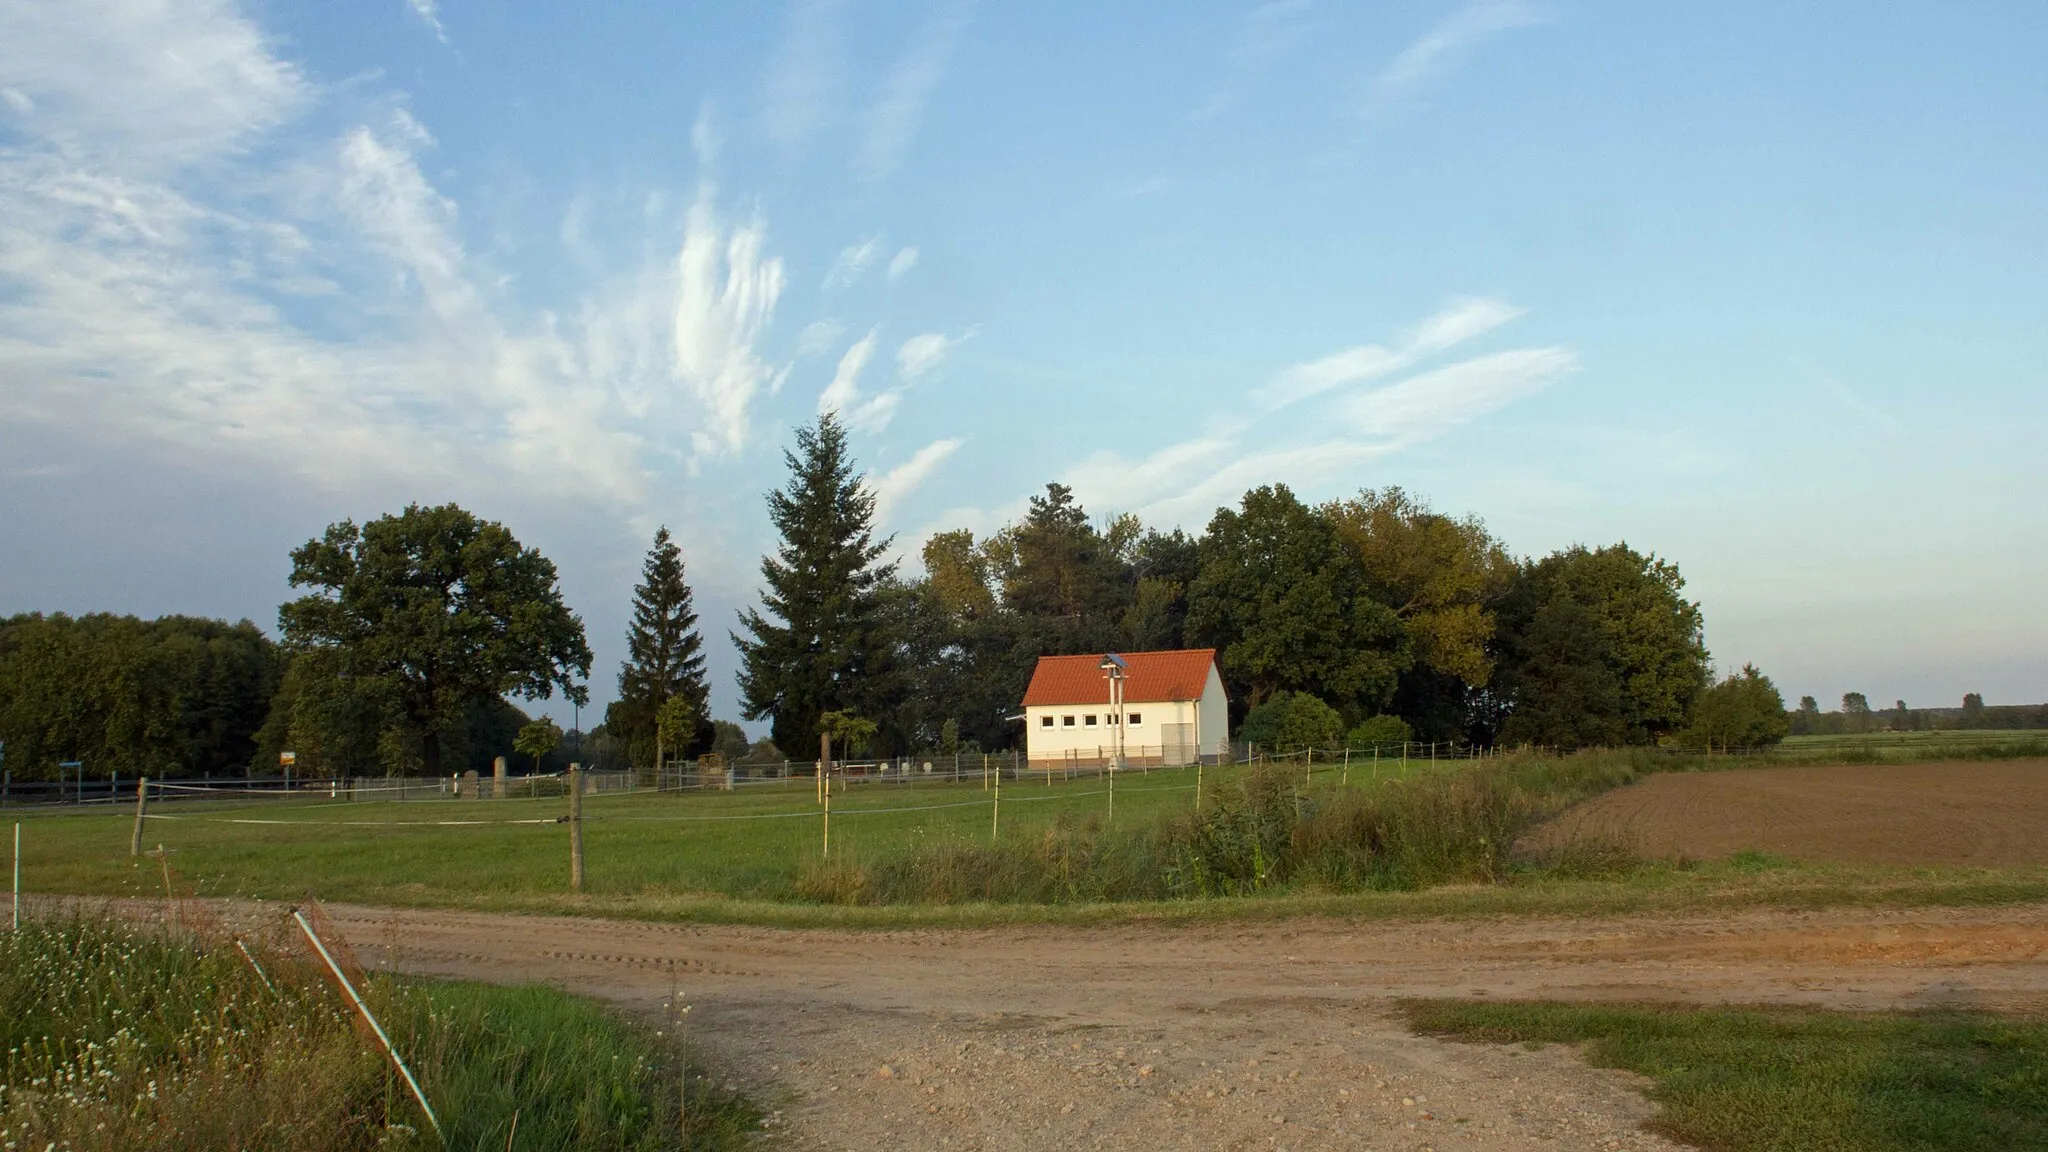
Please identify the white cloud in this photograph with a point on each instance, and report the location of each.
(920, 354)
(429, 12)
(704, 138)
(1462, 321)
(859, 410)
(1269, 32)
(902, 263)
(898, 109)
(798, 90)
(852, 263)
(819, 336)
(892, 486)
(726, 295)
(1443, 44)
(1426, 406)
(143, 87)
(194, 272)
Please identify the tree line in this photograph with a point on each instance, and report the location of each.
(1367, 619)
(1857, 716)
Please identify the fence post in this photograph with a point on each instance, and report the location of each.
(575, 828)
(995, 819)
(141, 811)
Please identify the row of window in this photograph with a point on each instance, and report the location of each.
(1133, 719)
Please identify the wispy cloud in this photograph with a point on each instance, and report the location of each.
(819, 336)
(1442, 46)
(858, 409)
(727, 289)
(1180, 482)
(1426, 406)
(1269, 33)
(802, 78)
(852, 264)
(429, 12)
(892, 486)
(901, 264)
(898, 109)
(921, 354)
(197, 269)
(1462, 321)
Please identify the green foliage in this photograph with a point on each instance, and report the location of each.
(851, 735)
(175, 696)
(1600, 648)
(537, 739)
(664, 659)
(116, 1038)
(1288, 608)
(730, 741)
(820, 641)
(676, 724)
(1743, 711)
(1797, 1080)
(1379, 732)
(1290, 721)
(434, 610)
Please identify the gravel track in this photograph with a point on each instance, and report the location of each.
(1245, 1036)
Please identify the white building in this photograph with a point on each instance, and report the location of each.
(1173, 710)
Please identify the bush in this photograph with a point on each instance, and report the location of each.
(1379, 732)
(1289, 721)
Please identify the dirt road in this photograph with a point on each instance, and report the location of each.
(1207, 1036)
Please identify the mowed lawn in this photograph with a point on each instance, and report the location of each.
(750, 844)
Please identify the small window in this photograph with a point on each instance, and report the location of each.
(1045, 721)
(1134, 718)
(1088, 720)
(1110, 719)
(1066, 721)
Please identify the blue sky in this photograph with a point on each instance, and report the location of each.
(1759, 287)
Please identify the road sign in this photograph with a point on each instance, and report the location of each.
(287, 757)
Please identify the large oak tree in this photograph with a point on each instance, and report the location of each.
(439, 611)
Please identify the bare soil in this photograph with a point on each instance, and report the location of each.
(1980, 814)
(1248, 1036)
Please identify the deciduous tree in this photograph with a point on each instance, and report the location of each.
(438, 610)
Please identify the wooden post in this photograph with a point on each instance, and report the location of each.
(995, 819)
(575, 828)
(141, 812)
(826, 851)
(1345, 782)
(824, 762)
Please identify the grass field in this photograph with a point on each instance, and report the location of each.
(755, 855)
(118, 1036)
(1791, 1080)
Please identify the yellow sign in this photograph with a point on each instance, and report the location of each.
(287, 757)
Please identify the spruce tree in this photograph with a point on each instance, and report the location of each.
(819, 643)
(664, 657)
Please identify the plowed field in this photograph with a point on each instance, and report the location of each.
(1980, 814)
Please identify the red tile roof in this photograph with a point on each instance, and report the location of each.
(1154, 677)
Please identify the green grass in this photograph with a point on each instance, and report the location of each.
(118, 1037)
(1793, 1080)
(754, 855)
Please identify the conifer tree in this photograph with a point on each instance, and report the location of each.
(664, 658)
(819, 643)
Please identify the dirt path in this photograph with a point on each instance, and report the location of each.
(1983, 814)
(1207, 1036)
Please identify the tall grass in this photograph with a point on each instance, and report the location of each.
(1272, 829)
(117, 1037)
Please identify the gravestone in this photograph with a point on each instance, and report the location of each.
(469, 789)
(498, 778)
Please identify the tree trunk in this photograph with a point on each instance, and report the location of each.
(430, 751)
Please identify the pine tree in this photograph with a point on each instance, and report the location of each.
(820, 642)
(664, 657)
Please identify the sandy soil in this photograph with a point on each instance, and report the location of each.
(1989, 814)
(1258, 1036)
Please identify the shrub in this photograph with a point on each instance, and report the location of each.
(1379, 731)
(1292, 720)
